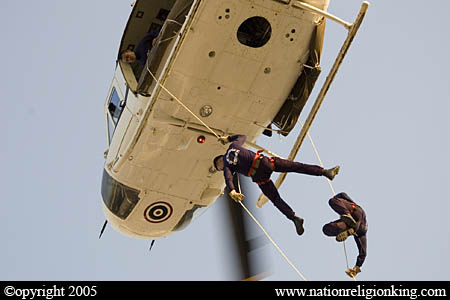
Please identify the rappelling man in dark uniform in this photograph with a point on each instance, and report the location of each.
(352, 222)
(260, 168)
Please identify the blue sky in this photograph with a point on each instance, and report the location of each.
(385, 121)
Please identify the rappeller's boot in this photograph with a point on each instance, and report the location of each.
(330, 173)
(299, 225)
(345, 234)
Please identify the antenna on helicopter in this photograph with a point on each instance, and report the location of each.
(151, 245)
(103, 229)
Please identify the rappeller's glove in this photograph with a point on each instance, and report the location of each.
(223, 139)
(238, 197)
(352, 272)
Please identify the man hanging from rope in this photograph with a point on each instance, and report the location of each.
(259, 167)
(352, 222)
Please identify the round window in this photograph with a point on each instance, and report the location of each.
(254, 32)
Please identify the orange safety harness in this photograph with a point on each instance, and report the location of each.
(255, 165)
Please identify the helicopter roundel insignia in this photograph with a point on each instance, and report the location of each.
(158, 212)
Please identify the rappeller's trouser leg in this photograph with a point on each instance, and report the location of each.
(271, 192)
(334, 228)
(285, 166)
(262, 177)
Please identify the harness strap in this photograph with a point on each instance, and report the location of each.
(263, 182)
(255, 163)
(272, 161)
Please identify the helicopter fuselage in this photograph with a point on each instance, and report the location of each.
(234, 64)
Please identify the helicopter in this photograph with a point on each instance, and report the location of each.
(240, 66)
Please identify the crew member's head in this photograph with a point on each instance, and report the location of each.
(128, 56)
(218, 163)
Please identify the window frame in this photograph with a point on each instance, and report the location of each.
(115, 88)
(119, 198)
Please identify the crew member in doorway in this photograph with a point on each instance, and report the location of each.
(352, 222)
(140, 53)
(260, 168)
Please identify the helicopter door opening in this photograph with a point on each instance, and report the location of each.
(163, 44)
(146, 17)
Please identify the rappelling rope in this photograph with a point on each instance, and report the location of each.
(270, 129)
(274, 244)
(331, 187)
(242, 204)
(346, 260)
(268, 236)
(181, 103)
(318, 157)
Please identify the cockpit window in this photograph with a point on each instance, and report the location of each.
(119, 198)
